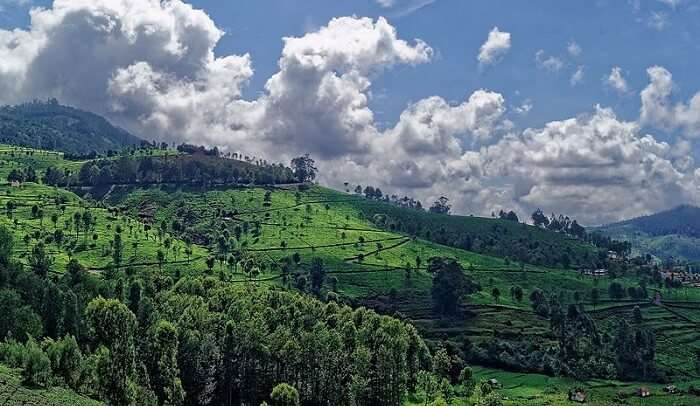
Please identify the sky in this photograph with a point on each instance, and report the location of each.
(586, 108)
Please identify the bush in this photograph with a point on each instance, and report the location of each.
(37, 367)
(13, 354)
(284, 395)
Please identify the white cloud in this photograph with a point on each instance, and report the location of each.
(574, 49)
(550, 63)
(151, 66)
(496, 46)
(657, 20)
(577, 76)
(386, 3)
(598, 168)
(659, 110)
(524, 107)
(616, 81)
(318, 100)
(671, 3)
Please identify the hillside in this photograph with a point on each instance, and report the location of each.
(673, 233)
(277, 274)
(61, 128)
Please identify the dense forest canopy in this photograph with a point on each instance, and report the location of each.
(50, 125)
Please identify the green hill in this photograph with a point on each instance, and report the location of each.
(674, 233)
(53, 126)
(241, 266)
(13, 393)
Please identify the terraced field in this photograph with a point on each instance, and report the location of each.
(13, 393)
(365, 265)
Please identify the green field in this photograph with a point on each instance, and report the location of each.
(13, 393)
(365, 264)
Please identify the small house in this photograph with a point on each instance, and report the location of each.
(494, 383)
(643, 392)
(578, 395)
(671, 389)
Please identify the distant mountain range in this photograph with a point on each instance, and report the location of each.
(49, 125)
(672, 233)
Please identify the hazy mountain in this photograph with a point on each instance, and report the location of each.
(672, 233)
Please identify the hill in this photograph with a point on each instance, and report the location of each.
(50, 125)
(228, 260)
(672, 233)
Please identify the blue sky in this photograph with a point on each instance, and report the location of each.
(451, 137)
(609, 32)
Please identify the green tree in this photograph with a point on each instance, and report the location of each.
(39, 261)
(112, 325)
(164, 348)
(466, 379)
(117, 249)
(37, 366)
(428, 384)
(284, 395)
(6, 245)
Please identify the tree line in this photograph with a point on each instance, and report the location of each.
(152, 339)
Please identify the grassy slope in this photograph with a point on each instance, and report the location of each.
(13, 393)
(373, 281)
(313, 224)
(540, 390)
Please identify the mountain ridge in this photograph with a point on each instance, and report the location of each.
(50, 125)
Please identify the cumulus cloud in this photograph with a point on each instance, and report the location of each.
(577, 76)
(599, 167)
(550, 63)
(524, 107)
(658, 109)
(496, 46)
(616, 81)
(318, 99)
(150, 66)
(574, 49)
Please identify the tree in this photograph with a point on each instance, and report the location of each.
(637, 315)
(112, 325)
(39, 261)
(6, 245)
(441, 206)
(442, 363)
(304, 169)
(616, 291)
(165, 373)
(135, 296)
(428, 383)
(466, 379)
(595, 296)
(510, 216)
(66, 360)
(37, 366)
(496, 293)
(160, 256)
(117, 249)
(284, 395)
(516, 292)
(539, 219)
(318, 275)
(450, 284)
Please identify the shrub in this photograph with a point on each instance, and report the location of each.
(284, 395)
(37, 367)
